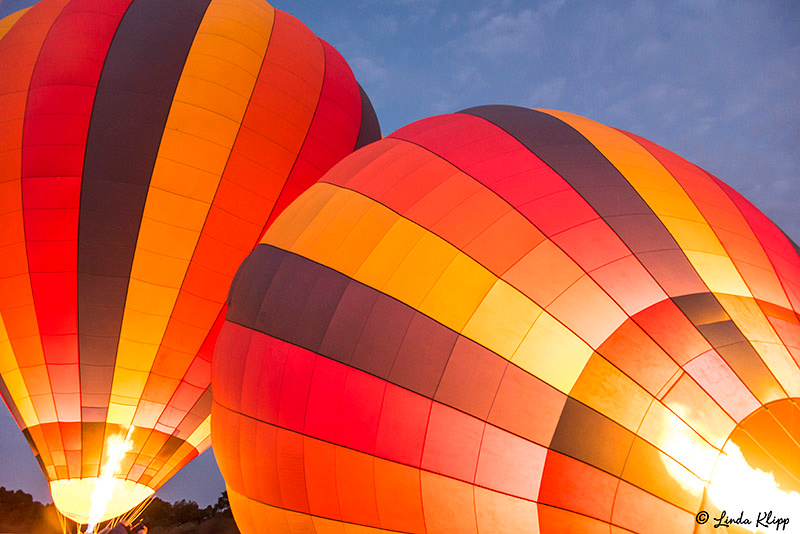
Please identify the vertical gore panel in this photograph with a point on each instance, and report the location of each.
(333, 130)
(12, 406)
(348, 321)
(134, 96)
(251, 283)
(423, 355)
(471, 378)
(283, 108)
(196, 415)
(378, 341)
(370, 129)
(794, 245)
(568, 153)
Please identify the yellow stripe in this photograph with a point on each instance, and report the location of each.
(201, 433)
(15, 383)
(668, 200)
(255, 516)
(210, 102)
(199, 440)
(383, 250)
(8, 362)
(750, 319)
(8, 22)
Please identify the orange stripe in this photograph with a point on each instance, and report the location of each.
(8, 22)
(207, 111)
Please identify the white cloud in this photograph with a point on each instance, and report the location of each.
(551, 7)
(368, 70)
(505, 33)
(547, 94)
(650, 49)
(495, 34)
(478, 16)
(384, 24)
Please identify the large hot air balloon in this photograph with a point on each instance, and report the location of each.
(144, 147)
(511, 320)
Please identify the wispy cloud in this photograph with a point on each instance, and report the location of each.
(385, 24)
(548, 94)
(505, 33)
(368, 70)
(495, 34)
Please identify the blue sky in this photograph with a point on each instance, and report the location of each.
(715, 81)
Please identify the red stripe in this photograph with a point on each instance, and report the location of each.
(57, 117)
(289, 387)
(333, 131)
(778, 247)
(19, 50)
(505, 166)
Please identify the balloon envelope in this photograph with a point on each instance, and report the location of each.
(510, 320)
(145, 147)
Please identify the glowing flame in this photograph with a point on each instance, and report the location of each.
(694, 458)
(737, 487)
(116, 447)
(732, 484)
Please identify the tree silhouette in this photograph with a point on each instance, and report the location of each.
(19, 513)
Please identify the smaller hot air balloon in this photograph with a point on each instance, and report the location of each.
(511, 320)
(145, 147)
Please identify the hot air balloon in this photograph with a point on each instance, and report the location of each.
(145, 147)
(511, 320)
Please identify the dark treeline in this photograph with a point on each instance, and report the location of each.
(19, 513)
(186, 516)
